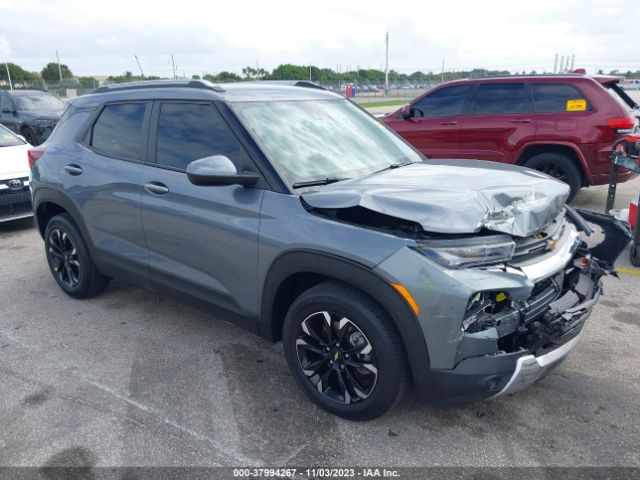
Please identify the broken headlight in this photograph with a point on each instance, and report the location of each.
(468, 252)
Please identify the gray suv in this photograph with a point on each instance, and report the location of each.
(306, 220)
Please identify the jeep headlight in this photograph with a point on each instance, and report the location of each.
(468, 252)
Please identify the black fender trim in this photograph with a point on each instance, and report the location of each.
(50, 195)
(359, 276)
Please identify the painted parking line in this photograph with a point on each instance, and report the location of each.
(629, 271)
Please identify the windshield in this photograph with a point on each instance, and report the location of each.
(319, 139)
(40, 101)
(8, 138)
(621, 97)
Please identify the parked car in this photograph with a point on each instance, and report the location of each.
(15, 197)
(631, 84)
(306, 220)
(30, 113)
(562, 125)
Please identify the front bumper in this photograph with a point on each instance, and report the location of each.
(550, 300)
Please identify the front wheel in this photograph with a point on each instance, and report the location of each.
(344, 352)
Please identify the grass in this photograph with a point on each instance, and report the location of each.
(386, 103)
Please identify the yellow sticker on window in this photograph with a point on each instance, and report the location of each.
(578, 105)
(6, 136)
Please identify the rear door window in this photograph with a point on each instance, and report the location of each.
(502, 98)
(190, 131)
(119, 131)
(558, 97)
(446, 102)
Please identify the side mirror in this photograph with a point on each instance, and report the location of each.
(406, 111)
(218, 170)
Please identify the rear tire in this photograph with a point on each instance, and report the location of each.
(635, 254)
(69, 259)
(344, 352)
(29, 137)
(558, 166)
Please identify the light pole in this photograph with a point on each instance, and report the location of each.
(6, 65)
(386, 65)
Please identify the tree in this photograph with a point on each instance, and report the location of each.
(195, 77)
(223, 77)
(51, 72)
(18, 74)
(88, 82)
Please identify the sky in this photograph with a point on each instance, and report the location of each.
(101, 38)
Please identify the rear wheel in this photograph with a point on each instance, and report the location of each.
(557, 166)
(344, 352)
(69, 259)
(29, 136)
(635, 255)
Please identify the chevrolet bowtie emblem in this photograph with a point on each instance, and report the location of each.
(336, 357)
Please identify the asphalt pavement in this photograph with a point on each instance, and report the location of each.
(133, 379)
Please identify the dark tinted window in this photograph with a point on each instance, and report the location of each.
(500, 98)
(187, 132)
(5, 104)
(551, 97)
(118, 130)
(442, 103)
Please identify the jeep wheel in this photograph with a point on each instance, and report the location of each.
(344, 352)
(29, 136)
(558, 166)
(635, 255)
(69, 259)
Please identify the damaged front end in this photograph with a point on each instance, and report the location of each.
(536, 328)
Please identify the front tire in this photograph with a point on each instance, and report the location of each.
(69, 260)
(344, 352)
(557, 166)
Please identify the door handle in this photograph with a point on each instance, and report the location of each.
(156, 188)
(453, 122)
(521, 120)
(73, 169)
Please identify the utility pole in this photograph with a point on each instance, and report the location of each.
(6, 65)
(555, 64)
(309, 71)
(59, 67)
(386, 65)
(173, 64)
(442, 70)
(573, 61)
(140, 67)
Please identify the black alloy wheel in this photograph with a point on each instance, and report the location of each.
(64, 258)
(337, 357)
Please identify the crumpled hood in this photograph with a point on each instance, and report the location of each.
(454, 196)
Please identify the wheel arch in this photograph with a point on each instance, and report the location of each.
(294, 272)
(48, 202)
(569, 150)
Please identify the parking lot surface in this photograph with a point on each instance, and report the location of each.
(130, 378)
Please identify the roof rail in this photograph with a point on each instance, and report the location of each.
(308, 84)
(118, 87)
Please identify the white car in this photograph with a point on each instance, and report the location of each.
(15, 197)
(631, 84)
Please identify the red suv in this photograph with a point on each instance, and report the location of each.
(562, 125)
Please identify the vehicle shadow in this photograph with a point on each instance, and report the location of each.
(17, 225)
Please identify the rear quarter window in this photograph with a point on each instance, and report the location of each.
(118, 131)
(558, 97)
